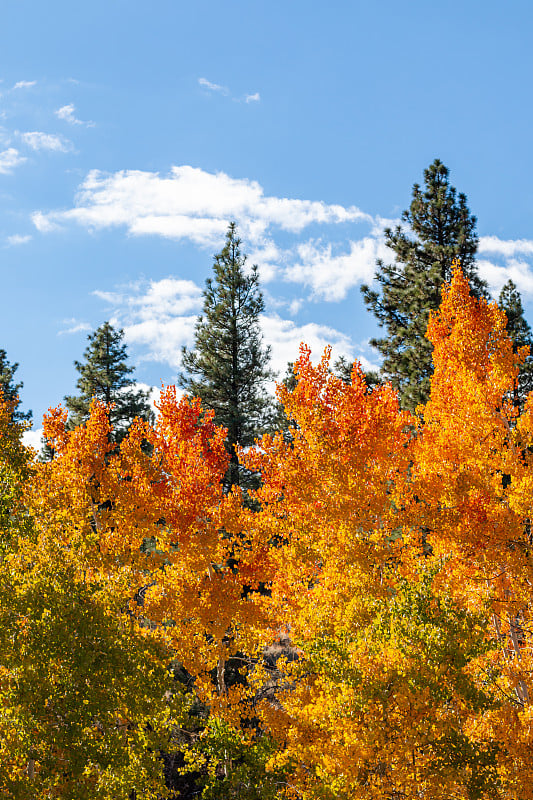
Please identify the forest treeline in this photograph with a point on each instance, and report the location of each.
(326, 596)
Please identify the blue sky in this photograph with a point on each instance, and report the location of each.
(132, 132)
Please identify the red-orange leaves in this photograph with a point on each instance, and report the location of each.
(193, 460)
(327, 494)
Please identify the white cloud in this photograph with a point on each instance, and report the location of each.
(330, 275)
(169, 297)
(218, 88)
(18, 238)
(506, 259)
(33, 438)
(192, 204)
(9, 159)
(24, 84)
(154, 393)
(162, 339)
(43, 223)
(165, 298)
(38, 140)
(497, 275)
(295, 306)
(285, 337)
(67, 114)
(75, 326)
(267, 257)
(213, 87)
(505, 247)
(113, 298)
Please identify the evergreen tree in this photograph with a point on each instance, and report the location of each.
(10, 389)
(228, 366)
(440, 230)
(106, 376)
(520, 333)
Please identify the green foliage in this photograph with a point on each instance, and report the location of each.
(106, 376)
(438, 638)
(228, 367)
(86, 699)
(440, 229)
(476, 763)
(280, 420)
(234, 762)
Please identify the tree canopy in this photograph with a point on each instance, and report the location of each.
(362, 629)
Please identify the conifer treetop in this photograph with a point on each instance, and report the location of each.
(105, 375)
(228, 365)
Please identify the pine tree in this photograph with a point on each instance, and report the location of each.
(10, 389)
(440, 230)
(520, 333)
(106, 376)
(228, 366)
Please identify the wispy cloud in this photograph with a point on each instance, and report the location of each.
(331, 275)
(158, 317)
(496, 275)
(506, 259)
(9, 159)
(43, 223)
(24, 84)
(167, 297)
(17, 239)
(74, 326)
(505, 247)
(192, 204)
(213, 87)
(37, 140)
(218, 88)
(68, 114)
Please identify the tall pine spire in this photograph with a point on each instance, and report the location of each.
(439, 229)
(228, 366)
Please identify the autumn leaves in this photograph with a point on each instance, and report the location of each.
(390, 554)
